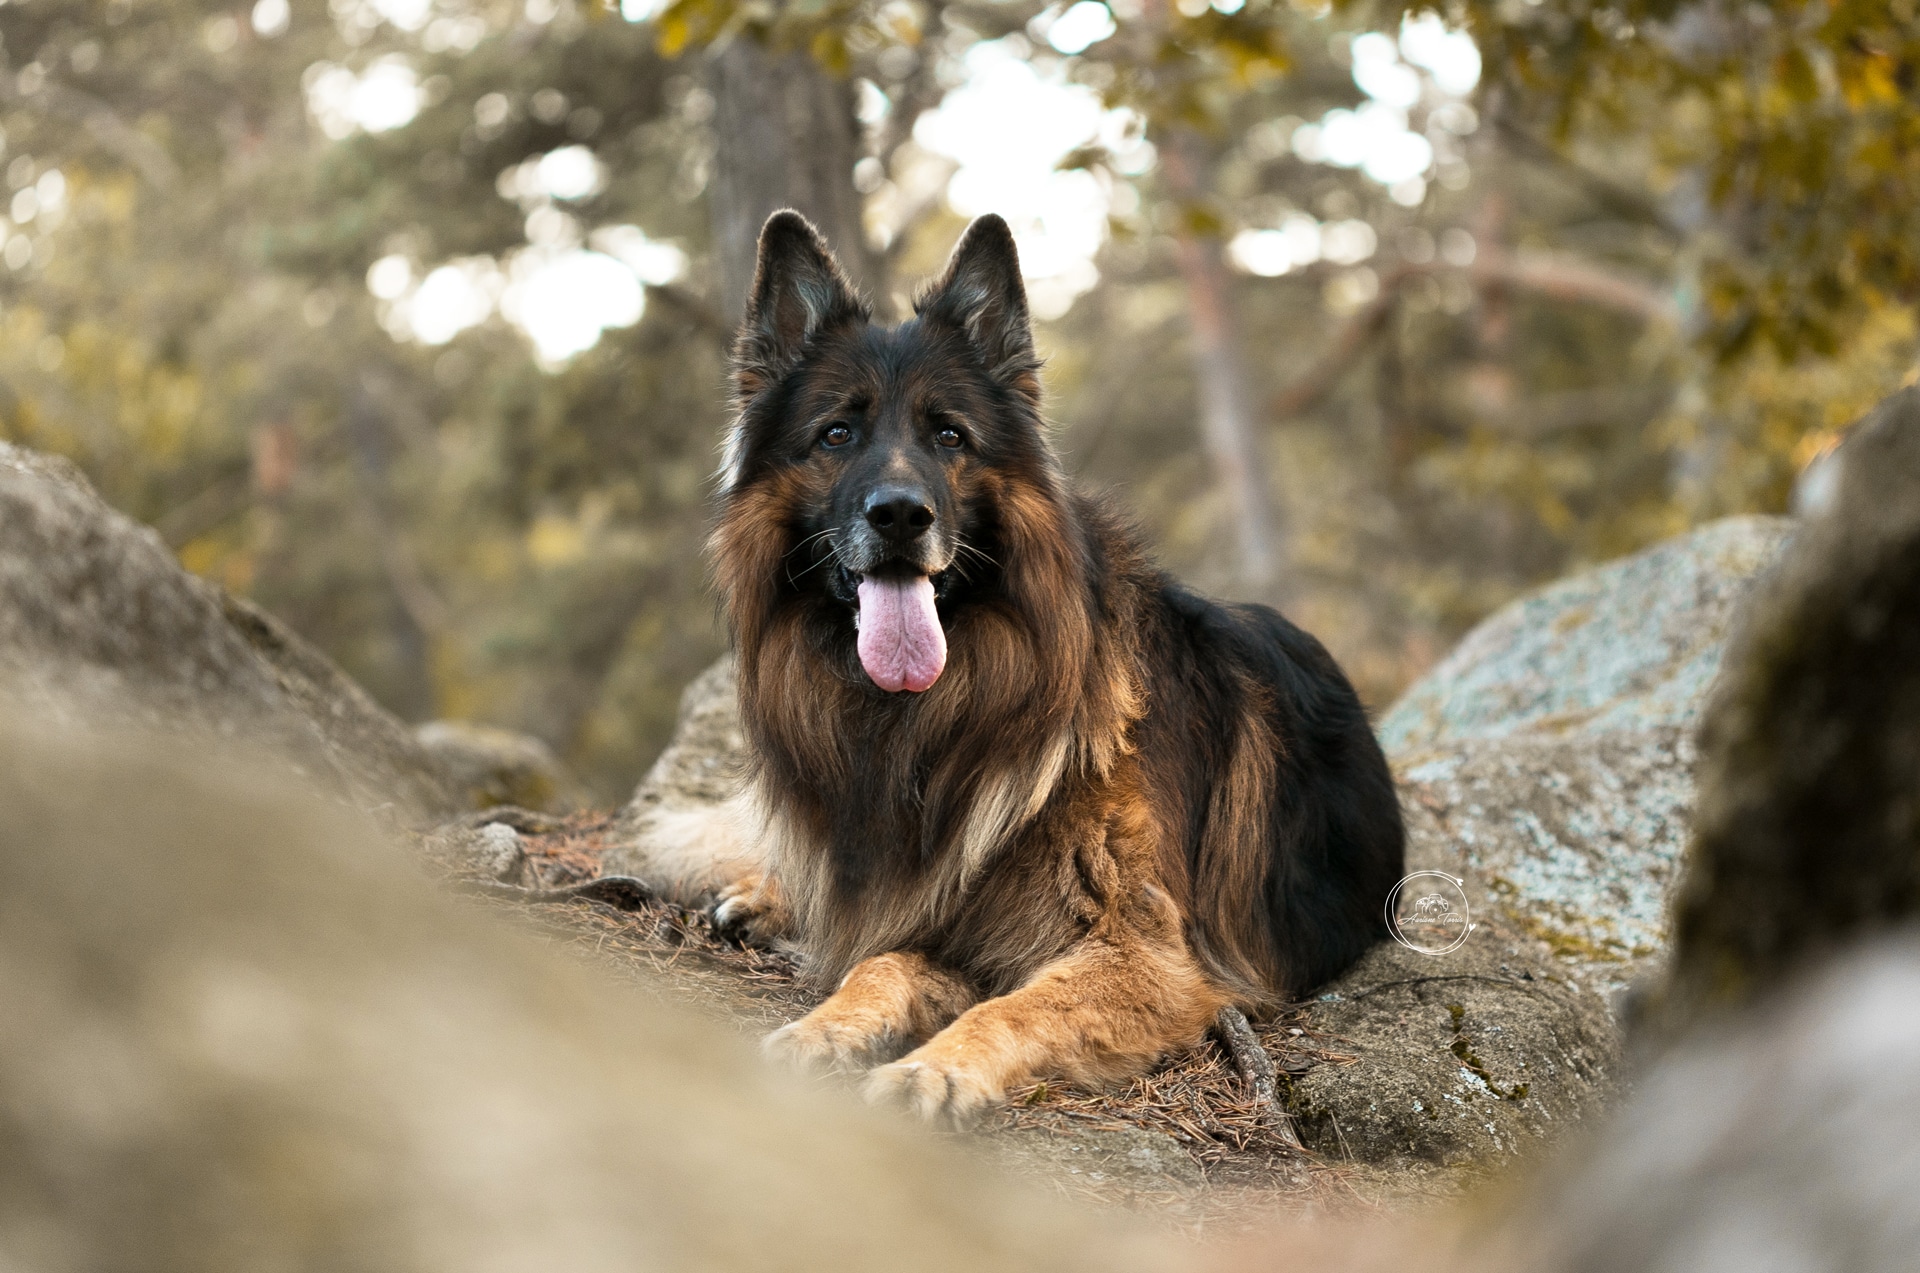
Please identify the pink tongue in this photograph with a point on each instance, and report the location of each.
(902, 645)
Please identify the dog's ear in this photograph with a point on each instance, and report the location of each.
(798, 292)
(981, 293)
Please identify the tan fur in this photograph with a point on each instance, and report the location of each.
(1236, 817)
(884, 1006)
(1104, 982)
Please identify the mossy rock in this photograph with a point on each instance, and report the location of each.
(1463, 1058)
(1549, 760)
(1809, 830)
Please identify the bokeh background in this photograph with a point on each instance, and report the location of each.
(408, 318)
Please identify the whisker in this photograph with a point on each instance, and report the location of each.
(808, 540)
(960, 543)
(833, 551)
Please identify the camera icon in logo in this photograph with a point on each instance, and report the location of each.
(1427, 912)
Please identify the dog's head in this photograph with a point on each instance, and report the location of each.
(885, 455)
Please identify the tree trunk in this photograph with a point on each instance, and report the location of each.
(786, 138)
(414, 614)
(1226, 410)
(1226, 417)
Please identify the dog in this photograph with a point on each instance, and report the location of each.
(1036, 810)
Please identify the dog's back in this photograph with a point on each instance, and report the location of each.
(1333, 841)
(1260, 761)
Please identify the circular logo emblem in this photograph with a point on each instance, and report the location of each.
(1427, 912)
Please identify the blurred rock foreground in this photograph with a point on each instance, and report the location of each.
(1546, 762)
(236, 1039)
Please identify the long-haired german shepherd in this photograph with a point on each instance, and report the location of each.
(1037, 809)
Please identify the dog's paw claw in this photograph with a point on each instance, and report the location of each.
(749, 914)
(731, 916)
(935, 1092)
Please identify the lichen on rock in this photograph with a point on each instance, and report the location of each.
(1549, 759)
(1467, 1058)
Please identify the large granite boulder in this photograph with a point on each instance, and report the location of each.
(1549, 759)
(1774, 1122)
(99, 623)
(1548, 764)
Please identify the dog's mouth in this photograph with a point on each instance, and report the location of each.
(901, 643)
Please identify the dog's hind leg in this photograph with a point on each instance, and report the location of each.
(883, 1007)
(693, 850)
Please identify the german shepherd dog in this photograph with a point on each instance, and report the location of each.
(1034, 808)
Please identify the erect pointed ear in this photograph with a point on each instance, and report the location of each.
(798, 292)
(981, 293)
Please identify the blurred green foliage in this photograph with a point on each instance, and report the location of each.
(1667, 253)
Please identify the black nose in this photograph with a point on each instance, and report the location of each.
(900, 514)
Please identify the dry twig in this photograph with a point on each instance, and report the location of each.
(1256, 1069)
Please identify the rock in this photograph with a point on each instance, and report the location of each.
(99, 622)
(1774, 1124)
(1467, 1058)
(489, 766)
(1068, 1155)
(1808, 835)
(499, 852)
(235, 1038)
(1780, 1139)
(1633, 644)
(1549, 759)
(680, 832)
(1548, 763)
(702, 765)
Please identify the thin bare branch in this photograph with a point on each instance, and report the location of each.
(1560, 275)
(705, 318)
(1319, 379)
(1603, 191)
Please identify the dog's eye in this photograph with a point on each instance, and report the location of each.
(836, 435)
(949, 437)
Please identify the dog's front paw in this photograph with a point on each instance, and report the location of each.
(937, 1091)
(827, 1047)
(752, 912)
